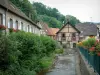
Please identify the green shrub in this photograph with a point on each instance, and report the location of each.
(89, 42)
(58, 45)
(23, 53)
(49, 44)
(59, 51)
(46, 62)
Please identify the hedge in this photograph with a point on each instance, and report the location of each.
(21, 53)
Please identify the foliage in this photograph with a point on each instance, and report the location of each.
(51, 12)
(59, 48)
(73, 20)
(26, 7)
(23, 53)
(59, 51)
(92, 45)
(51, 21)
(49, 15)
(49, 44)
(2, 27)
(47, 62)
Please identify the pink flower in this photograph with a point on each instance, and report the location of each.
(98, 53)
(92, 49)
(2, 27)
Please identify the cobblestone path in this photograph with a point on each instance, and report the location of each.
(65, 64)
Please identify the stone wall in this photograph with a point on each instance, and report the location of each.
(85, 68)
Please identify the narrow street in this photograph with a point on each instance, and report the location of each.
(65, 65)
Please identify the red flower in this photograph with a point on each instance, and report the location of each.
(97, 41)
(92, 49)
(14, 30)
(2, 27)
(98, 53)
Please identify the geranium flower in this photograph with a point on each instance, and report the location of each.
(97, 41)
(14, 30)
(2, 27)
(98, 53)
(92, 49)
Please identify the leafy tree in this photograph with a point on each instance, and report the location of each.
(52, 12)
(51, 21)
(38, 11)
(26, 7)
(73, 20)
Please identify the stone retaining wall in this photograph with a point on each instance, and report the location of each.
(85, 68)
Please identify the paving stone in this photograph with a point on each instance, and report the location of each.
(65, 64)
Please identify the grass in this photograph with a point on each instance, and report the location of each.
(59, 51)
(47, 62)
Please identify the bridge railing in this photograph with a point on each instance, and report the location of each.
(93, 60)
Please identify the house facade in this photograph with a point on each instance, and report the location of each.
(51, 32)
(87, 30)
(68, 35)
(43, 29)
(12, 17)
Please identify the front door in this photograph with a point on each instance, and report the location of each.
(74, 45)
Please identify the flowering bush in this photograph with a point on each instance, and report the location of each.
(92, 45)
(13, 30)
(2, 27)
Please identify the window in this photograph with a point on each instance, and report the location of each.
(81, 31)
(32, 29)
(21, 25)
(1, 19)
(63, 35)
(73, 35)
(28, 28)
(11, 23)
(16, 25)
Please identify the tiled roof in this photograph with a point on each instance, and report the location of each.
(49, 31)
(54, 30)
(87, 28)
(12, 8)
(68, 24)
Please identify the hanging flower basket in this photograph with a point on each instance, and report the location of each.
(2, 27)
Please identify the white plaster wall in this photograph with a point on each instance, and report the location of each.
(25, 23)
(3, 12)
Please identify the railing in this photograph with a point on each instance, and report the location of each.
(93, 60)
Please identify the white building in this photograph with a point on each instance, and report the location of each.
(12, 17)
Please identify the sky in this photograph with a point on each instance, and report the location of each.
(84, 10)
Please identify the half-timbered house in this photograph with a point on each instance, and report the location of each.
(68, 35)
